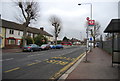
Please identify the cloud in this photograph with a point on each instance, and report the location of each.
(61, 12)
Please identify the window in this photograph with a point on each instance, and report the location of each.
(29, 34)
(0, 29)
(18, 42)
(0, 41)
(11, 41)
(11, 31)
(18, 32)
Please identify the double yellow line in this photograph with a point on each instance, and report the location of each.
(59, 73)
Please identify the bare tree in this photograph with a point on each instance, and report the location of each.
(95, 32)
(29, 10)
(56, 23)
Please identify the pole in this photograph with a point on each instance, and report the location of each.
(87, 45)
(91, 10)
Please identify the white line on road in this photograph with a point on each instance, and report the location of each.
(34, 55)
(7, 59)
(38, 61)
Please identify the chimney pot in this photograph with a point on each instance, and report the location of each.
(42, 28)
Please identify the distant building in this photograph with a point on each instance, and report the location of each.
(12, 33)
(75, 41)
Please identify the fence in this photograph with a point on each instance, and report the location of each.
(107, 45)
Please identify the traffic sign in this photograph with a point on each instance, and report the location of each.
(91, 22)
(90, 39)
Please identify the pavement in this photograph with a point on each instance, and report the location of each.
(11, 50)
(97, 67)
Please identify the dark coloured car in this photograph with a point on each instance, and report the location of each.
(45, 47)
(59, 46)
(31, 47)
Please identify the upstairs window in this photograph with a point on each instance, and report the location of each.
(11, 31)
(29, 34)
(0, 29)
(18, 32)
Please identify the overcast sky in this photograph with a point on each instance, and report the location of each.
(73, 17)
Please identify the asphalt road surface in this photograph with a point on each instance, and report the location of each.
(38, 65)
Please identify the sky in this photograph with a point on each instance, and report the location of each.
(73, 16)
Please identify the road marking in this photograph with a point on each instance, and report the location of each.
(12, 70)
(57, 62)
(32, 64)
(38, 61)
(59, 73)
(65, 75)
(7, 59)
(65, 58)
(34, 55)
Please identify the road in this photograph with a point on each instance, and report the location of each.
(38, 65)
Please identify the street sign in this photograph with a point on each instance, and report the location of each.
(91, 22)
(87, 18)
(90, 39)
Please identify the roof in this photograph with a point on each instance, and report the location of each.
(113, 26)
(16, 26)
(11, 25)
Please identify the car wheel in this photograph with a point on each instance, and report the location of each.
(31, 50)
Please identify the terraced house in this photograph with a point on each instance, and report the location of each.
(12, 33)
(2, 36)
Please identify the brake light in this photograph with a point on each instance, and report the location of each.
(28, 47)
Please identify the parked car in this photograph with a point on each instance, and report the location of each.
(52, 46)
(59, 46)
(45, 47)
(31, 47)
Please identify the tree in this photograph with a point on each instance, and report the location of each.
(56, 23)
(95, 32)
(29, 40)
(65, 39)
(40, 39)
(29, 10)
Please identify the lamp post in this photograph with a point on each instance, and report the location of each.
(81, 35)
(90, 8)
(87, 46)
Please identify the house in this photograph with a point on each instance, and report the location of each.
(2, 37)
(75, 41)
(13, 33)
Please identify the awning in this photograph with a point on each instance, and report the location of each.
(113, 27)
(11, 38)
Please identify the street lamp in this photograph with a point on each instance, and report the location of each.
(90, 8)
(87, 46)
(81, 35)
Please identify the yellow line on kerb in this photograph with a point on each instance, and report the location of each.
(12, 70)
(58, 74)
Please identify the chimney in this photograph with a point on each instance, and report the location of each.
(42, 28)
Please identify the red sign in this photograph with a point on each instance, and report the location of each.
(91, 22)
(87, 18)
